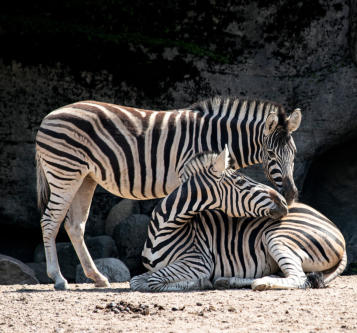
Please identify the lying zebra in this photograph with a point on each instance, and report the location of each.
(237, 252)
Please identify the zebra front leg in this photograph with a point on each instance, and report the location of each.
(75, 227)
(231, 283)
(178, 276)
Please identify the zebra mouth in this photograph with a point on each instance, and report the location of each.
(278, 212)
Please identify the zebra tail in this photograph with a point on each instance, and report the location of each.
(339, 269)
(320, 279)
(43, 189)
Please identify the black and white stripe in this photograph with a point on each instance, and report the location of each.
(229, 252)
(208, 183)
(139, 154)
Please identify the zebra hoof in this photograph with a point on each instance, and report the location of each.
(63, 285)
(102, 284)
(140, 282)
(259, 285)
(221, 283)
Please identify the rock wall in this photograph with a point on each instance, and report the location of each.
(155, 55)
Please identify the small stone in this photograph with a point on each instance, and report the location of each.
(111, 305)
(59, 330)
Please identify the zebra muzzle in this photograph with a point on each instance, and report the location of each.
(289, 190)
(280, 207)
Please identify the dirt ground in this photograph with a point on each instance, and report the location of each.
(83, 308)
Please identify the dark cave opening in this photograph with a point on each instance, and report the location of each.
(330, 186)
(19, 243)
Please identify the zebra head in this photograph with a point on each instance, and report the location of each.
(279, 152)
(242, 196)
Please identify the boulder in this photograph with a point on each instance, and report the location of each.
(98, 247)
(114, 269)
(130, 235)
(13, 271)
(147, 206)
(120, 212)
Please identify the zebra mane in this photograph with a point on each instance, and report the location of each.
(210, 105)
(198, 163)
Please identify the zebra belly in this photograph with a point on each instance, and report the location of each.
(153, 189)
(246, 268)
(236, 245)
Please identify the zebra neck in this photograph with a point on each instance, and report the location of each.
(241, 129)
(182, 205)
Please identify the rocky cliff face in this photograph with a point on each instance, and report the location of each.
(299, 53)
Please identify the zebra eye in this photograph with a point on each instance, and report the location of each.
(271, 154)
(240, 181)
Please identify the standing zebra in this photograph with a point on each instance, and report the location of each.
(245, 252)
(138, 154)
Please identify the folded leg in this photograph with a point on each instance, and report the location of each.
(178, 276)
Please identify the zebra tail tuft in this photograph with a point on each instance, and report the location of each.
(315, 280)
(43, 189)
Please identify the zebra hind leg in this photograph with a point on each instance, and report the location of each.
(51, 220)
(313, 280)
(178, 276)
(291, 266)
(75, 227)
(275, 282)
(50, 224)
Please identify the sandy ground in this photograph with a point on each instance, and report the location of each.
(84, 308)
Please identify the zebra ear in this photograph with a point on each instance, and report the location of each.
(294, 120)
(271, 123)
(222, 161)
